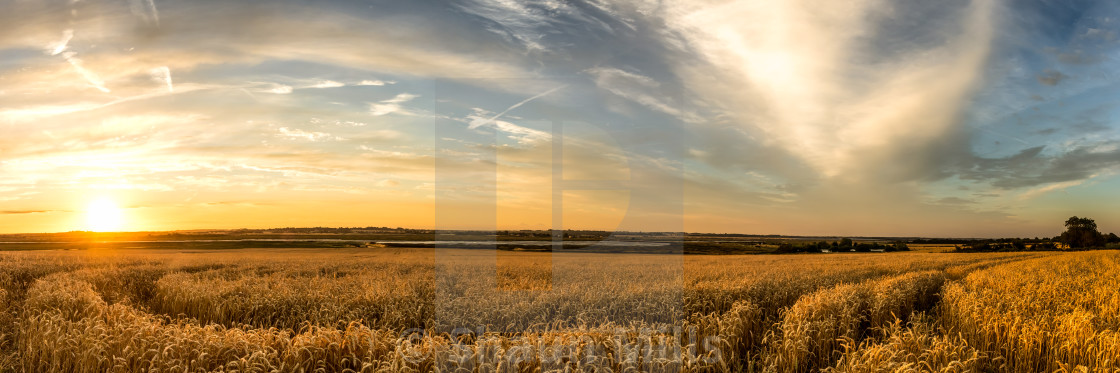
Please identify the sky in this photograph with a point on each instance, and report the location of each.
(956, 118)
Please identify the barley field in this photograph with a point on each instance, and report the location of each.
(413, 310)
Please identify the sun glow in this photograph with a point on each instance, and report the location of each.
(103, 215)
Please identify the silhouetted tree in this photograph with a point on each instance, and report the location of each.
(786, 248)
(1082, 233)
(1044, 246)
(978, 246)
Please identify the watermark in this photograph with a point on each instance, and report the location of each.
(647, 349)
(574, 213)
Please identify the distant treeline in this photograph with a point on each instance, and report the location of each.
(1080, 234)
(1111, 242)
(331, 230)
(844, 245)
(568, 233)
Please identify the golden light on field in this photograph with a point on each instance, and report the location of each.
(103, 215)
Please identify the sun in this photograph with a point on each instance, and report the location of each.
(103, 215)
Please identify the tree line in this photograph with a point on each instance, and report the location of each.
(844, 245)
(1080, 234)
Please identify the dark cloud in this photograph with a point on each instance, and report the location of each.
(954, 201)
(1031, 167)
(1051, 77)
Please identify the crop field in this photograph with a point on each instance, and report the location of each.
(365, 310)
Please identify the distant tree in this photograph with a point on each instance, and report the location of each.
(1044, 246)
(1112, 238)
(786, 248)
(846, 242)
(979, 246)
(1082, 233)
(899, 246)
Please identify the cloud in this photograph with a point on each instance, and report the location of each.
(837, 84)
(954, 201)
(523, 134)
(843, 110)
(43, 112)
(515, 20)
(542, 27)
(1038, 191)
(374, 83)
(1032, 167)
(378, 135)
(58, 47)
(392, 105)
(328, 84)
(296, 133)
(1051, 77)
(640, 89)
(23, 212)
(145, 10)
(384, 43)
(162, 75)
(280, 89)
(476, 123)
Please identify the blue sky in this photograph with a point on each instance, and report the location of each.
(866, 117)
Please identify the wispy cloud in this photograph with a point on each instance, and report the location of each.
(1052, 77)
(24, 212)
(328, 84)
(145, 10)
(1038, 191)
(374, 82)
(280, 89)
(306, 135)
(392, 105)
(640, 89)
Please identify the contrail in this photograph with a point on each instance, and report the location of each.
(62, 44)
(92, 78)
(146, 10)
(517, 105)
(155, 12)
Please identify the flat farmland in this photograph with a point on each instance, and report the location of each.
(402, 309)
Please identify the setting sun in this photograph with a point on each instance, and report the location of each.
(103, 215)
